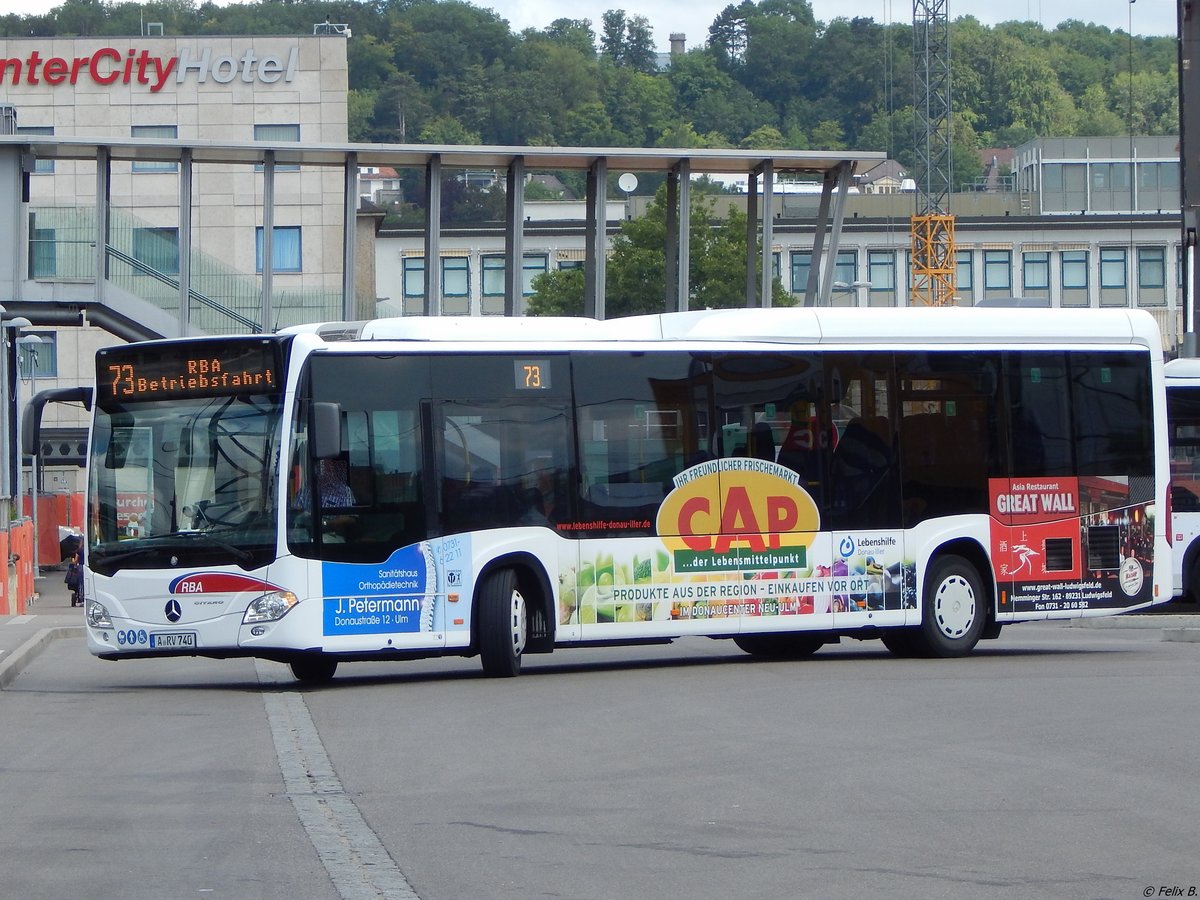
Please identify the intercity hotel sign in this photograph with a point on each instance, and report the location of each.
(110, 66)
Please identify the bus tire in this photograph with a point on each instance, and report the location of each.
(314, 669)
(954, 609)
(1191, 584)
(780, 646)
(503, 624)
(904, 643)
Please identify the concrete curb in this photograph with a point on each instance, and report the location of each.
(1182, 635)
(1183, 629)
(12, 664)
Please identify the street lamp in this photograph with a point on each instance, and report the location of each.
(12, 422)
(31, 341)
(851, 286)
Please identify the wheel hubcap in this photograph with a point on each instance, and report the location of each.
(954, 606)
(517, 622)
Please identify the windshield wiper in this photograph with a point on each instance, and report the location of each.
(169, 544)
(236, 552)
(103, 557)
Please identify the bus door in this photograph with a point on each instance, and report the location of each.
(868, 573)
(770, 556)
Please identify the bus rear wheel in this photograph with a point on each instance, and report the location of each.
(954, 608)
(780, 646)
(503, 625)
(313, 669)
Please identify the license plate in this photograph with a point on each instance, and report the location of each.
(169, 640)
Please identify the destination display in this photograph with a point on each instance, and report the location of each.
(149, 372)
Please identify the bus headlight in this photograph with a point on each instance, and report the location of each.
(97, 616)
(270, 607)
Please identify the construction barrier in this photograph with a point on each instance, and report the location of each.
(76, 511)
(53, 514)
(20, 538)
(5, 588)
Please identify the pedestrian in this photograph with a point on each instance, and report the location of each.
(74, 577)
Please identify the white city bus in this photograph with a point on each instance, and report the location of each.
(1183, 422)
(782, 478)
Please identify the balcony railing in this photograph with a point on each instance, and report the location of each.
(144, 261)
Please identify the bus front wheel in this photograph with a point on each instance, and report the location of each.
(954, 609)
(502, 624)
(313, 669)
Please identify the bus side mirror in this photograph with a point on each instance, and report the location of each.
(325, 432)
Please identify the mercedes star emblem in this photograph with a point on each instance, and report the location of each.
(174, 613)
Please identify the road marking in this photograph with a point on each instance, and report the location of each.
(21, 619)
(357, 862)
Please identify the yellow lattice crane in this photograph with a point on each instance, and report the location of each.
(933, 256)
(933, 259)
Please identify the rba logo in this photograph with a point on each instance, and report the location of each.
(108, 66)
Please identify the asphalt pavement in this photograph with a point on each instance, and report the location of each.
(50, 617)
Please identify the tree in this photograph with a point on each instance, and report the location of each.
(628, 41)
(639, 46)
(1095, 113)
(640, 106)
(781, 39)
(557, 292)
(360, 105)
(713, 101)
(727, 35)
(636, 267)
(577, 34)
(369, 63)
(612, 35)
(447, 130)
(766, 137)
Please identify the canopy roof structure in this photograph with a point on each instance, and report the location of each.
(834, 170)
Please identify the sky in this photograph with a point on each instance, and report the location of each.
(692, 17)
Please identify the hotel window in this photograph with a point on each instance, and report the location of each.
(493, 276)
(456, 276)
(801, 263)
(41, 358)
(1152, 276)
(1152, 267)
(997, 270)
(157, 249)
(881, 271)
(41, 166)
(285, 248)
(1073, 268)
(278, 134)
(167, 132)
(43, 251)
(964, 274)
(1035, 271)
(531, 267)
(414, 276)
(846, 269)
(1112, 267)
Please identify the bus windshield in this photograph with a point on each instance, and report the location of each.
(191, 479)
